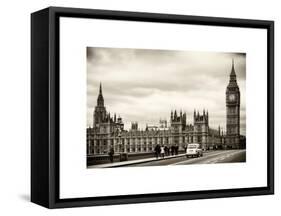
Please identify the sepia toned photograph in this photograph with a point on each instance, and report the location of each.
(121, 99)
(148, 107)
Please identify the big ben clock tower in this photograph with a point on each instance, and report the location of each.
(232, 111)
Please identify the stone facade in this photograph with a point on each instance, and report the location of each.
(108, 131)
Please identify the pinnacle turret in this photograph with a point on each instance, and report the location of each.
(232, 73)
(100, 101)
(100, 89)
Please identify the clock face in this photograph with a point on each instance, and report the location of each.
(232, 97)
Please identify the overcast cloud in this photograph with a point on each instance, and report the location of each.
(145, 85)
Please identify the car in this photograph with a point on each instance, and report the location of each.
(194, 149)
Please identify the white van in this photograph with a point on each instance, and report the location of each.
(194, 149)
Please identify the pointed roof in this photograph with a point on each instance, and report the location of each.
(232, 73)
(100, 101)
(100, 89)
(175, 114)
(232, 78)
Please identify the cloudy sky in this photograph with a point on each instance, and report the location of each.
(145, 85)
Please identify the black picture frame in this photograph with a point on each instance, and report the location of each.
(45, 106)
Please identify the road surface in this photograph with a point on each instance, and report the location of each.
(223, 156)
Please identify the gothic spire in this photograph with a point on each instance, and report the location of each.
(100, 89)
(232, 85)
(232, 73)
(100, 100)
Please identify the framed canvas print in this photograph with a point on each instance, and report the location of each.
(131, 107)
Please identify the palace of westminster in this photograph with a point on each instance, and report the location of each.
(108, 131)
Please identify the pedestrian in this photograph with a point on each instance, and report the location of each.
(157, 151)
(111, 153)
(185, 147)
(166, 150)
(177, 150)
(162, 151)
